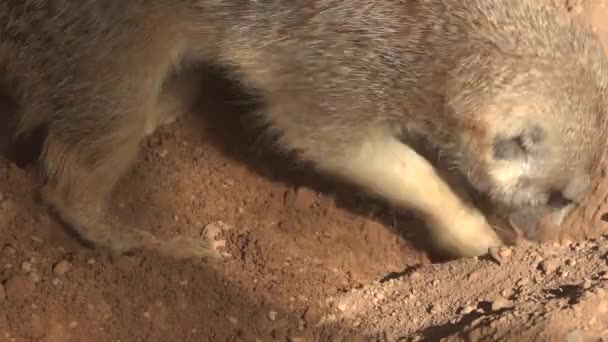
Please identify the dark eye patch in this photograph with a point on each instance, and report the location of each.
(509, 148)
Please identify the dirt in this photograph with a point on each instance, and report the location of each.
(306, 259)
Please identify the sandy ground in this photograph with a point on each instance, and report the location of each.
(309, 260)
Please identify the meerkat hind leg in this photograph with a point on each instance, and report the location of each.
(80, 180)
(178, 95)
(393, 170)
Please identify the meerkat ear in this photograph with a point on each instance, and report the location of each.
(519, 145)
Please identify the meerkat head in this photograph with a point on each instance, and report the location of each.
(529, 133)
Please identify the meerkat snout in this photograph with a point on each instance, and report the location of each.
(531, 153)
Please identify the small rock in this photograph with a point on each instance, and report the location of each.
(571, 262)
(537, 260)
(435, 309)
(272, 315)
(146, 314)
(35, 277)
(61, 267)
(36, 239)
(602, 307)
(567, 243)
(300, 198)
(2, 294)
(213, 230)
(297, 339)
(9, 250)
(500, 303)
(505, 252)
(19, 288)
(72, 324)
(474, 275)
(26, 266)
(587, 284)
(549, 265)
(575, 336)
(7, 204)
(233, 320)
(467, 310)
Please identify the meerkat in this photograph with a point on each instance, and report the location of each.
(510, 92)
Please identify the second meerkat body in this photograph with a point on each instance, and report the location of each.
(511, 93)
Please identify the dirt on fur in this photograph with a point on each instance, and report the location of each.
(307, 260)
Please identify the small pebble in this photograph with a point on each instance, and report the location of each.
(19, 288)
(272, 315)
(467, 310)
(7, 204)
(500, 303)
(549, 265)
(26, 266)
(434, 309)
(2, 293)
(602, 307)
(575, 336)
(72, 324)
(587, 284)
(35, 277)
(537, 260)
(9, 250)
(505, 252)
(61, 267)
(233, 320)
(36, 239)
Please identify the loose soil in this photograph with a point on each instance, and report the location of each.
(307, 260)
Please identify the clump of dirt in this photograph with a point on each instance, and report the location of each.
(306, 260)
(532, 293)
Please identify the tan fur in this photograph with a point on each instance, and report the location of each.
(510, 93)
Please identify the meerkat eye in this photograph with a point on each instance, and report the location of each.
(509, 148)
(515, 147)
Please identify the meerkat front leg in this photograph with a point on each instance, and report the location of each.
(389, 168)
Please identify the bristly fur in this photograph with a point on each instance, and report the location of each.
(512, 93)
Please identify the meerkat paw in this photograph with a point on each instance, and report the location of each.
(468, 236)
